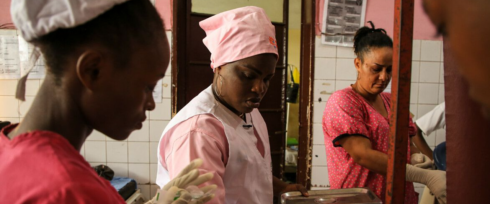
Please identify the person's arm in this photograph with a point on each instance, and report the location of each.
(421, 144)
(199, 145)
(359, 148)
(280, 187)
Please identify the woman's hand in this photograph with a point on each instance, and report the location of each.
(189, 176)
(422, 161)
(296, 187)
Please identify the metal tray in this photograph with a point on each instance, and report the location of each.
(336, 196)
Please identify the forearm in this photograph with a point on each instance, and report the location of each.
(375, 161)
(278, 186)
(422, 145)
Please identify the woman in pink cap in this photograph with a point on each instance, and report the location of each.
(222, 125)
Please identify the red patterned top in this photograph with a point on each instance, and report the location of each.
(347, 113)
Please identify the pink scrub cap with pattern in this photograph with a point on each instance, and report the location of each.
(237, 34)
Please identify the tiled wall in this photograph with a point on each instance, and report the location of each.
(135, 157)
(334, 70)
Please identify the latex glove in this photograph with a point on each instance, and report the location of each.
(183, 196)
(189, 176)
(435, 180)
(421, 161)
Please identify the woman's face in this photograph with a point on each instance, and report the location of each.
(243, 84)
(374, 73)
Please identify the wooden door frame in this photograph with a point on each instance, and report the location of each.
(307, 61)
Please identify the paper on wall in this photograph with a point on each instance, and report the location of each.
(25, 50)
(9, 55)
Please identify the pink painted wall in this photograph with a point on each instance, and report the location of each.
(5, 12)
(381, 13)
(163, 7)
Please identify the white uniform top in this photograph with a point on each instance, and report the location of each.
(433, 120)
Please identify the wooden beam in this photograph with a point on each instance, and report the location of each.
(400, 101)
(307, 62)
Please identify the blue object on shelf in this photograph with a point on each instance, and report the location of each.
(440, 156)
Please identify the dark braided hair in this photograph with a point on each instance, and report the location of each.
(367, 38)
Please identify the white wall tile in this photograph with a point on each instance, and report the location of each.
(423, 109)
(345, 69)
(96, 136)
(153, 173)
(167, 87)
(319, 176)
(414, 92)
(154, 189)
(139, 152)
(143, 134)
(441, 72)
(117, 151)
(156, 129)
(82, 150)
(429, 72)
(25, 105)
(145, 191)
(318, 137)
(323, 89)
(140, 173)
(7, 87)
(415, 71)
(345, 52)
(162, 110)
(428, 93)
(32, 87)
(96, 163)
(430, 50)
(416, 50)
(11, 120)
(342, 84)
(169, 69)
(95, 151)
(318, 108)
(440, 136)
(442, 52)
(120, 169)
(413, 110)
(319, 155)
(441, 93)
(324, 50)
(153, 152)
(325, 68)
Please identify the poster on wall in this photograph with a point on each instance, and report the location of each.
(25, 50)
(341, 20)
(9, 55)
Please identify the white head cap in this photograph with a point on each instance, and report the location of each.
(35, 18)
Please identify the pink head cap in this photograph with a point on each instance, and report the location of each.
(237, 34)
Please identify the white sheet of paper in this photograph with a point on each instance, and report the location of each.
(9, 55)
(25, 49)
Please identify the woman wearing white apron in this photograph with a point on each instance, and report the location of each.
(222, 125)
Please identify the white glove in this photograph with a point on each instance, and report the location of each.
(421, 161)
(189, 176)
(435, 180)
(184, 197)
